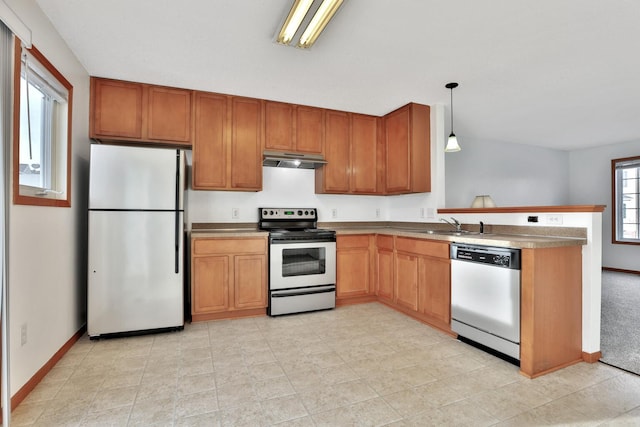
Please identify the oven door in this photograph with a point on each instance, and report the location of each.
(295, 265)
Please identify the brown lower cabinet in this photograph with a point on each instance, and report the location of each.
(228, 277)
(355, 268)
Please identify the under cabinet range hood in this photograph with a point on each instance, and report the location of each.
(281, 159)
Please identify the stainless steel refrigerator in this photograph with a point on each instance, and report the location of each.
(136, 223)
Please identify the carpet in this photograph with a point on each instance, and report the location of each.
(620, 325)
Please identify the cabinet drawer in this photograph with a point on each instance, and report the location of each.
(423, 247)
(355, 241)
(209, 246)
(384, 242)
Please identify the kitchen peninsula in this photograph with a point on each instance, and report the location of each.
(406, 266)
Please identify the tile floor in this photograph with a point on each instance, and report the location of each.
(361, 365)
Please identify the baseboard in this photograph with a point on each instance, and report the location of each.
(591, 357)
(24, 391)
(620, 270)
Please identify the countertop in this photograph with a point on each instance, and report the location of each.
(522, 241)
(512, 240)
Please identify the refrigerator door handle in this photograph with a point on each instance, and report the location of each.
(177, 214)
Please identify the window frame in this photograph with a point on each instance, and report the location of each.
(614, 202)
(23, 199)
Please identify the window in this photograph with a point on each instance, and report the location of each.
(42, 131)
(626, 200)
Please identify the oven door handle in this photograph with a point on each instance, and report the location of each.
(299, 293)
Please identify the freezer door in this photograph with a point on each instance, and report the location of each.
(136, 178)
(132, 283)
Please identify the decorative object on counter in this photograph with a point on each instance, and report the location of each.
(311, 24)
(452, 142)
(483, 201)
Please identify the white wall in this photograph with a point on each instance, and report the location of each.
(590, 183)
(513, 174)
(47, 268)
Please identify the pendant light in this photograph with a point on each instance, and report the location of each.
(452, 142)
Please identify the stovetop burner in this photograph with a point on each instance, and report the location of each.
(293, 224)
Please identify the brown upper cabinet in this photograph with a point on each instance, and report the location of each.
(293, 128)
(128, 111)
(408, 150)
(228, 143)
(353, 155)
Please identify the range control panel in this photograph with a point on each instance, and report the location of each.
(308, 214)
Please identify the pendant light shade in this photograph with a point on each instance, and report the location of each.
(452, 142)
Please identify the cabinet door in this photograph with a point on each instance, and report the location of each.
(337, 152)
(278, 126)
(250, 284)
(353, 272)
(116, 109)
(364, 156)
(385, 274)
(434, 290)
(397, 167)
(246, 144)
(169, 114)
(406, 281)
(210, 142)
(210, 284)
(309, 134)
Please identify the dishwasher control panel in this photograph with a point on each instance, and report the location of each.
(498, 257)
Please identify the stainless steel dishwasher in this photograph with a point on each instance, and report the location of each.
(485, 296)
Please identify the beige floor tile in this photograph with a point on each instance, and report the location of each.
(322, 399)
(196, 404)
(555, 413)
(282, 409)
(112, 417)
(374, 412)
(354, 391)
(356, 365)
(153, 412)
(337, 374)
(305, 421)
(45, 390)
(27, 413)
(274, 387)
(461, 413)
(112, 398)
(235, 394)
(408, 403)
(209, 419)
(335, 417)
(196, 383)
(248, 414)
(265, 371)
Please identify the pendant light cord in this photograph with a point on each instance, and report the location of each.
(451, 90)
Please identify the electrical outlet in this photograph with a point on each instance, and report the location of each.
(23, 334)
(431, 213)
(235, 213)
(554, 219)
(334, 213)
(421, 212)
(377, 212)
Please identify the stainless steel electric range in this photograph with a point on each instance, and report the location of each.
(302, 261)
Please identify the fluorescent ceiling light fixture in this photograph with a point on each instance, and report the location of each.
(297, 19)
(294, 19)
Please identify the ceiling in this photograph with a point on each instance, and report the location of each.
(563, 74)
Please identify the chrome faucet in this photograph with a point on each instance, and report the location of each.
(455, 224)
